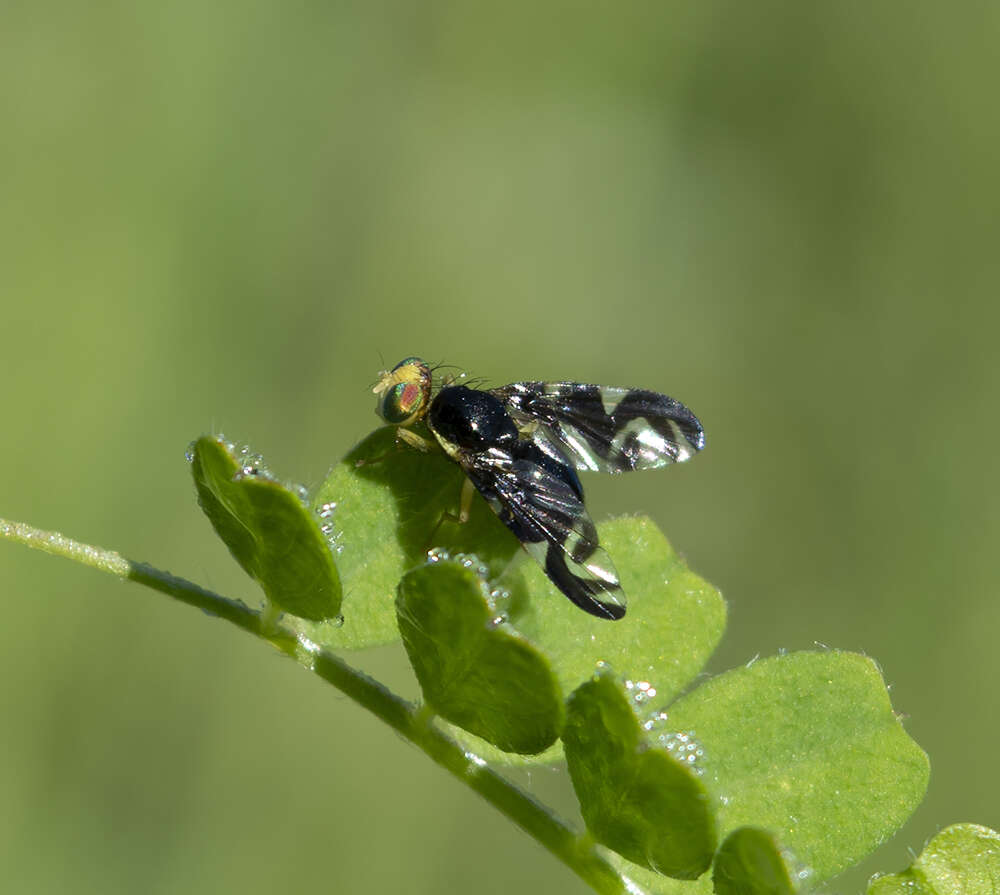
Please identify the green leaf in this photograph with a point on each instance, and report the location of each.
(751, 862)
(652, 883)
(636, 797)
(268, 529)
(475, 670)
(807, 745)
(384, 514)
(963, 859)
(673, 623)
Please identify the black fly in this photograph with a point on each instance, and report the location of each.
(520, 445)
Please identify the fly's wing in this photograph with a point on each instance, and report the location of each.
(603, 428)
(541, 503)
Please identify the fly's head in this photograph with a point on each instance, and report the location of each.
(404, 392)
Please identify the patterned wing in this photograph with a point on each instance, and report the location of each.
(603, 428)
(540, 500)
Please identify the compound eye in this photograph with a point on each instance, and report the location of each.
(401, 403)
(404, 392)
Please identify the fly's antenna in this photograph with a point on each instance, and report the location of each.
(382, 370)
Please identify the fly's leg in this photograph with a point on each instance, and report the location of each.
(414, 440)
(465, 501)
(402, 435)
(464, 508)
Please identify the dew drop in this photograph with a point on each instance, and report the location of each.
(656, 724)
(684, 748)
(477, 760)
(307, 644)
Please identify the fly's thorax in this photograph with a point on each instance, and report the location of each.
(403, 393)
(468, 419)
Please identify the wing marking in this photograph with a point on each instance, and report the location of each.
(604, 428)
(540, 500)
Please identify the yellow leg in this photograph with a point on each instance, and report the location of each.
(464, 508)
(405, 436)
(465, 502)
(414, 440)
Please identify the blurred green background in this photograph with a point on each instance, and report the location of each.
(225, 217)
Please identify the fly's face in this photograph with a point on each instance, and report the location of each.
(404, 392)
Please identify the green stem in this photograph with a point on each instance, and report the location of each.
(408, 719)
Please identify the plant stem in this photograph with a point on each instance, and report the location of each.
(408, 719)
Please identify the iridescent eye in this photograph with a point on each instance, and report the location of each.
(404, 392)
(401, 403)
